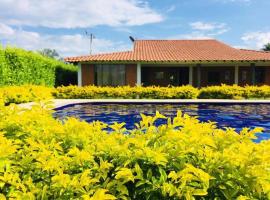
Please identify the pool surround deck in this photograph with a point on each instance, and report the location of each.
(58, 103)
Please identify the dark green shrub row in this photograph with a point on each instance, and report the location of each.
(19, 67)
(65, 75)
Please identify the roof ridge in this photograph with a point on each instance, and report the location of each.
(177, 51)
(100, 54)
(253, 50)
(96, 55)
(176, 40)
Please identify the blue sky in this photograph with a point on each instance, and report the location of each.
(60, 24)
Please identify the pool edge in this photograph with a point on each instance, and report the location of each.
(59, 103)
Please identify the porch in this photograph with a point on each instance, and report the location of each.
(198, 75)
(202, 75)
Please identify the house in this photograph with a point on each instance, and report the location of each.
(175, 62)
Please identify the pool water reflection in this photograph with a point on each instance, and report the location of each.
(236, 116)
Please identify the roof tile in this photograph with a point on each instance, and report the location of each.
(177, 51)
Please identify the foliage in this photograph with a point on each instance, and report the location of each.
(183, 92)
(42, 158)
(65, 75)
(74, 92)
(234, 92)
(51, 53)
(19, 67)
(24, 94)
(266, 47)
(28, 93)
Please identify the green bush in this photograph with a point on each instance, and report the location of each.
(20, 67)
(234, 92)
(24, 94)
(74, 92)
(43, 158)
(28, 93)
(65, 75)
(181, 92)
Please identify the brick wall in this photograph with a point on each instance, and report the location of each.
(131, 75)
(88, 74)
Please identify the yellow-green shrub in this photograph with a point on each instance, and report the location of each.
(43, 158)
(256, 92)
(74, 92)
(221, 92)
(23, 94)
(234, 92)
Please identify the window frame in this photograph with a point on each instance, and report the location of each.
(108, 68)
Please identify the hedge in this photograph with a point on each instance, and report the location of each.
(183, 92)
(234, 92)
(74, 92)
(24, 94)
(28, 93)
(43, 158)
(19, 67)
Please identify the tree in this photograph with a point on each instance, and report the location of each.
(51, 53)
(266, 47)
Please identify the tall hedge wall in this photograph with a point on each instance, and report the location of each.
(18, 67)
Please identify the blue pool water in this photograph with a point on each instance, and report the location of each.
(236, 116)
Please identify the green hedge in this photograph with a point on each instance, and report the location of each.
(65, 74)
(19, 67)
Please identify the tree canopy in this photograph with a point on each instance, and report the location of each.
(266, 47)
(51, 53)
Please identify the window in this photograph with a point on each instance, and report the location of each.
(159, 75)
(227, 76)
(110, 75)
(214, 77)
(244, 75)
(259, 76)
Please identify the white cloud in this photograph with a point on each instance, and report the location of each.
(202, 30)
(72, 13)
(256, 39)
(202, 26)
(193, 36)
(5, 30)
(66, 45)
(234, 1)
(171, 8)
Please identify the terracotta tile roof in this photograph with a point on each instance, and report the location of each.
(177, 51)
(116, 56)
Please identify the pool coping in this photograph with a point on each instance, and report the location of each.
(58, 103)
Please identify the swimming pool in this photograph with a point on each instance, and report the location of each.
(232, 115)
